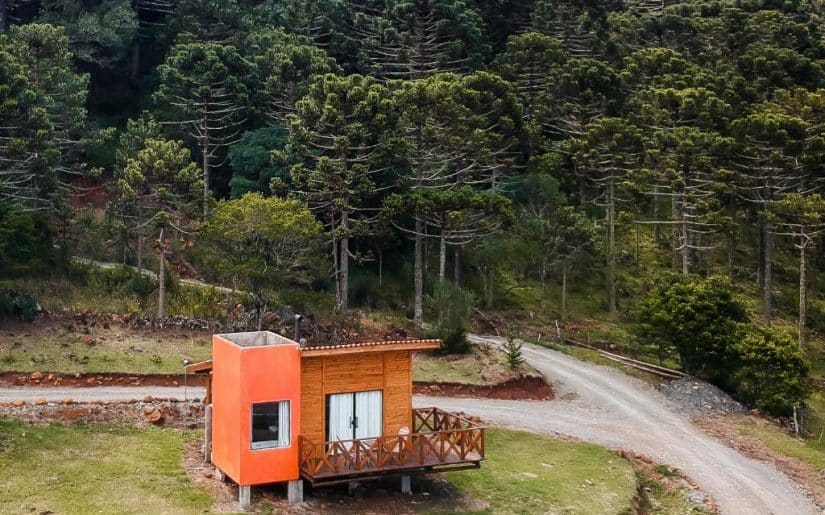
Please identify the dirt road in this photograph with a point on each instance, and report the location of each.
(595, 404)
(602, 405)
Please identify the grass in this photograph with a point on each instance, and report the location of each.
(810, 451)
(57, 350)
(528, 473)
(480, 366)
(655, 499)
(95, 469)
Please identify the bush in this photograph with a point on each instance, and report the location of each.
(452, 308)
(697, 317)
(19, 304)
(771, 371)
(26, 243)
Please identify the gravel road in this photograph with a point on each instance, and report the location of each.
(97, 393)
(596, 404)
(604, 406)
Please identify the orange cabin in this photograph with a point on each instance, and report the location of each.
(279, 412)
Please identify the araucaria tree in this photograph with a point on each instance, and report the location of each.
(802, 218)
(162, 187)
(339, 134)
(203, 91)
(607, 156)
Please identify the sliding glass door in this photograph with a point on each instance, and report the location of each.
(353, 416)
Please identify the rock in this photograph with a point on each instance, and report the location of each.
(68, 400)
(50, 377)
(77, 375)
(91, 380)
(18, 404)
(37, 376)
(88, 340)
(5, 404)
(148, 398)
(701, 396)
(208, 475)
(41, 401)
(155, 417)
(148, 410)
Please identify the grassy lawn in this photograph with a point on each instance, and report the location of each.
(810, 451)
(56, 350)
(95, 469)
(527, 473)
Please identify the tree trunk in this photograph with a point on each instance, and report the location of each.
(674, 212)
(135, 71)
(543, 282)
(767, 286)
(442, 258)
(611, 247)
(418, 303)
(206, 173)
(343, 304)
(161, 276)
(4, 15)
(760, 255)
(564, 289)
(457, 265)
(380, 268)
(684, 240)
(491, 289)
(803, 291)
(140, 254)
(657, 236)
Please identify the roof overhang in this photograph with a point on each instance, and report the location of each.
(360, 348)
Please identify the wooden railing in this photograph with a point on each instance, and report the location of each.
(439, 438)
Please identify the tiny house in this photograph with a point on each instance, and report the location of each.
(330, 414)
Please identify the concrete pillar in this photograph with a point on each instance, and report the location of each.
(245, 496)
(352, 487)
(207, 433)
(295, 491)
(406, 484)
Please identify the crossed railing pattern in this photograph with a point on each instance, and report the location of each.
(438, 438)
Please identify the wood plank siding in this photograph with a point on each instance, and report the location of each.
(390, 372)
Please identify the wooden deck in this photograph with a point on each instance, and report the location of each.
(439, 441)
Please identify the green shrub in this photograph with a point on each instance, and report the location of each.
(771, 371)
(452, 308)
(19, 304)
(512, 348)
(699, 318)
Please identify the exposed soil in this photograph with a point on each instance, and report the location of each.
(431, 493)
(164, 412)
(527, 388)
(724, 428)
(47, 379)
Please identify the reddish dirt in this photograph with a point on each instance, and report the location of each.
(91, 380)
(724, 428)
(530, 388)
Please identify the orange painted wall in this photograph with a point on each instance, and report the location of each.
(242, 376)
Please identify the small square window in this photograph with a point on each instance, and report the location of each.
(270, 425)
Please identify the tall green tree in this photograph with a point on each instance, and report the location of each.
(262, 243)
(339, 134)
(606, 157)
(163, 188)
(204, 92)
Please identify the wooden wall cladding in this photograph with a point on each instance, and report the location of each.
(389, 371)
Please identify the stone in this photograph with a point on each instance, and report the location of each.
(148, 398)
(91, 380)
(41, 401)
(208, 475)
(68, 400)
(5, 404)
(18, 403)
(156, 417)
(148, 410)
(37, 375)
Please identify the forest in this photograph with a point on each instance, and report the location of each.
(558, 158)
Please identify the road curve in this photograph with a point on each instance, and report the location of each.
(596, 404)
(602, 405)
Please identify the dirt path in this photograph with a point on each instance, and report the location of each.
(602, 405)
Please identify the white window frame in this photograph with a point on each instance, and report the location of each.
(284, 440)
